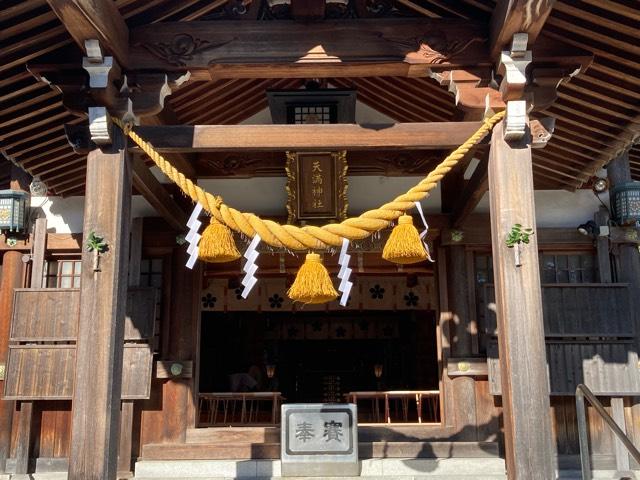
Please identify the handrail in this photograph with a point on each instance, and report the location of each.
(582, 393)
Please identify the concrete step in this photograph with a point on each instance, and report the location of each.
(450, 468)
(245, 451)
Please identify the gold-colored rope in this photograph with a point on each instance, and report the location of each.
(310, 237)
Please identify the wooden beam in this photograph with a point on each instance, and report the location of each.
(368, 48)
(283, 49)
(517, 16)
(95, 19)
(272, 164)
(155, 193)
(525, 386)
(98, 379)
(181, 161)
(473, 192)
(250, 138)
(307, 10)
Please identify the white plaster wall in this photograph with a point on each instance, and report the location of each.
(559, 208)
(267, 196)
(65, 215)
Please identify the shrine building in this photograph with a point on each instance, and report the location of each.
(213, 209)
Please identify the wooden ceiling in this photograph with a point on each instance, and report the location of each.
(597, 112)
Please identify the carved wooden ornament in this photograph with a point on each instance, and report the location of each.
(316, 186)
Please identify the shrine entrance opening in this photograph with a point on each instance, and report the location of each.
(386, 361)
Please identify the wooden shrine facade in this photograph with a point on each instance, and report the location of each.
(128, 359)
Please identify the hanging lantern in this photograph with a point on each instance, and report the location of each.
(625, 203)
(13, 210)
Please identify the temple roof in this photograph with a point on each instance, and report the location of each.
(597, 112)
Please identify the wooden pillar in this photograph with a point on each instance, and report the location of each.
(12, 268)
(602, 247)
(463, 387)
(23, 435)
(126, 420)
(627, 271)
(523, 363)
(628, 257)
(179, 395)
(12, 277)
(98, 381)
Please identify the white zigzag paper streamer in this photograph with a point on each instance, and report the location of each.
(423, 234)
(250, 267)
(344, 273)
(193, 237)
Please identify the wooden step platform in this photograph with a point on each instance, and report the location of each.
(259, 450)
(234, 435)
(366, 433)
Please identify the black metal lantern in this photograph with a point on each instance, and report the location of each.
(13, 210)
(625, 203)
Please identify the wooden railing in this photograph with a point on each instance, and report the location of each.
(42, 344)
(622, 460)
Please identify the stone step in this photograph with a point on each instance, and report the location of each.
(246, 451)
(378, 477)
(449, 468)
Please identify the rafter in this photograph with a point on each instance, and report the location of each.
(517, 16)
(95, 19)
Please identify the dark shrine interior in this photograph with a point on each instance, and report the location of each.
(318, 356)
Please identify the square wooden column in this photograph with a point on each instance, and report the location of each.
(523, 363)
(103, 296)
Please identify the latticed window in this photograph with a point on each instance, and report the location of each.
(151, 272)
(311, 114)
(64, 273)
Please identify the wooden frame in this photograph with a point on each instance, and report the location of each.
(305, 199)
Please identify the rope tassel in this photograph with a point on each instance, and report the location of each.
(217, 244)
(404, 245)
(312, 284)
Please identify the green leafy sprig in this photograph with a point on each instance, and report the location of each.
(96, 243)
(518, 234)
